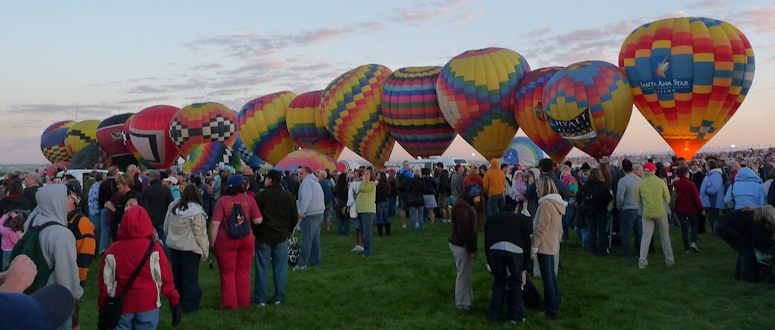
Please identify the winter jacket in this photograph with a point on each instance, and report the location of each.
(548, 224)
(29, 196)
(428, 185)
(508, 227)
(278, 207)
(107, 189)
(442, 182)
(382, 192)
(328, 191)
(85, 241)
(712, 190)
(573, 188)
(14, 202)
(158, 198)
(186, 230)
(746, 190)
(625, 192)
(463, 225)
(404, 179)
(494, 180)
(456, 184)
(415, 192)
(124, 256)
(687, 198)
(652, 193)
(311, 200)
(594, 197)
(365, 200)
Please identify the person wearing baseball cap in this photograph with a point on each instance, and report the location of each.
(652, 193)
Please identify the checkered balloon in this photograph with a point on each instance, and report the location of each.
(202, 123)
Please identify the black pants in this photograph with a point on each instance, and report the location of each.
(506, 287)
(746, 268)
(185, 270)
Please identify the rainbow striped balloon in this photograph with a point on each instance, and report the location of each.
(306, 126)
(530, 115)
(52, 142)
(689, 76)
(209, 156)
(475, 90)
(314, 159)
(589, 104)
(352, 110)
(263, 129)
(412, 111)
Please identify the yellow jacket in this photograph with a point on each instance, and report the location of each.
(653, 195)
(494, 180)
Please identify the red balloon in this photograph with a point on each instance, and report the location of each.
(148, 132)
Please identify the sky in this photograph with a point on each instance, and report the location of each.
(105, 58)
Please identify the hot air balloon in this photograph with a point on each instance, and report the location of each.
(475, 95)
(110, 137)
(263, 128)
(201, 123)
(523, 151)
(148, 133)
(313, 159)
(131, 147)
(342, 166)
(689, 75)
(531, 117)
(589, 104)
(248, 157)
(412, 111)
(52, 142)
(306, 126)
(92, 156)
(81, 134)
(209, 156)
(351, 108)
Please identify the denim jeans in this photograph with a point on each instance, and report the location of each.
(418, 222)
(185, 272)
(552, 297)
(686, 221)
(712, 214)
(366, 220)
(494, 204)
(162, 236)
(106, 229)
(382, 213)
(506, 285)
(343, 229)
(95, 219)
(310, 240)
(629, 224)
(392, 200)
(139, 321)
(597, 234)
(6, 260)
(277, 255)
(567, 219)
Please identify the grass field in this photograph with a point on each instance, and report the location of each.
(409, 284)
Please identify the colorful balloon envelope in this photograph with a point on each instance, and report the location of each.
(306, 126)
(689, 75)
(210, 156)
(80, 135)
(475, 93)
(52, 142)
(342, 166)
(352, 110)
(412, 112)
(248, 157)
(523, 151)
(313, 159)
(201, 123)
(263, 128)
(131, 147)
(529, 111)
(589, 104)
(91, 156)
(110, 137)
(148, 131)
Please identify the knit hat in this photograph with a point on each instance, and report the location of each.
(234, 181)
(650, 167)
(473, 190)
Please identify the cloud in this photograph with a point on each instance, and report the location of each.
(708, 4)
(674, 14)
(83, 111)
(145, 89)
(759, 19)
(427, 11)
(145, 100)
(207, 66)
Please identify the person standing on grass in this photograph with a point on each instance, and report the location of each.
(462, 243)
(712, 192)
(627, 204)
(595, 196)
(653, 195)
(403, 182)
(688, 207)
(746, 190)
(366, 205)
(456, 182)
(311, 207)
(572, 186)
(416, 201)
(185, 228)
(159, 197)
(85, 244)
(442, 190)
(280, 217)
(494, 186)
(340, 205)
(429, 194)
(92, 196)
(546, 241)
(392, 193)
(506, 238)
(383, 190)
(352, 190)
(328, 197)
(234, 254)
(750, 232)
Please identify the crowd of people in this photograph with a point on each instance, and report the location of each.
(153, 229)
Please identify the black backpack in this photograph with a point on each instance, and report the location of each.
(29, 245)
(236, 225)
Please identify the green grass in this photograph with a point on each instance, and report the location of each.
(409, 284)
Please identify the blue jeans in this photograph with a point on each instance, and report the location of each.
(6, 260)
(310, 240)
(366, 220)
(418, 223)
(95, 219)
(552, 298)
(162, 235)
(185, 273)
(105, 232)
(139, 321)
(597, 235)
(570, 212)
(629, 223)
(392, 206)
(382, 213)
(277, 254)
(343, 228)
(686, 221)
(506, 285)
(495, 204)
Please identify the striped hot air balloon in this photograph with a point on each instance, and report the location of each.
(306, 126)
(689, 75)
(209, 156)
(263, 128)
(313, 159)
(201, 123)
(80, 135)
(52, 142)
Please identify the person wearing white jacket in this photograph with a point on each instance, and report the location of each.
(352, 191)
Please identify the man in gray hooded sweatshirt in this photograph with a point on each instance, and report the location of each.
(57, 242)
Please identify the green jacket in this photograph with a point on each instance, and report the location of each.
(366, 200)
(653, 195)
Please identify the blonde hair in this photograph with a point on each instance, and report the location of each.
(565, 169)
(545, 186)
(125, 180)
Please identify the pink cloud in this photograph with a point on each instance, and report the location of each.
(760, 19)
(708, 4)
(429, 11)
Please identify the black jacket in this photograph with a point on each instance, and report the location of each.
(429, 185)
(414, 193)
(442, 182)
(10, 203)
(278, 209)
(594, 197)
(509, 227)
(158, 198)
(29, 195)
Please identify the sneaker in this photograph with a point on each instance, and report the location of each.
(261, 305)
(694, 247)
(298, 268)
(522, 320)
(403, 226)
(357, 248)
(278, 302)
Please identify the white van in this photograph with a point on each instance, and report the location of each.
(82, 175)
(449, 162)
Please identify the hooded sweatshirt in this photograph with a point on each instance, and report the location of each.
(548, 224)
(747, 190)
(122, 258)
(311, 199)
(57, 242)
(186, 229)
(712, 190)
(494, 180)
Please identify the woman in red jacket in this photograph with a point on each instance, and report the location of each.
(234, 254)
(141, 305)
(688, 207)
